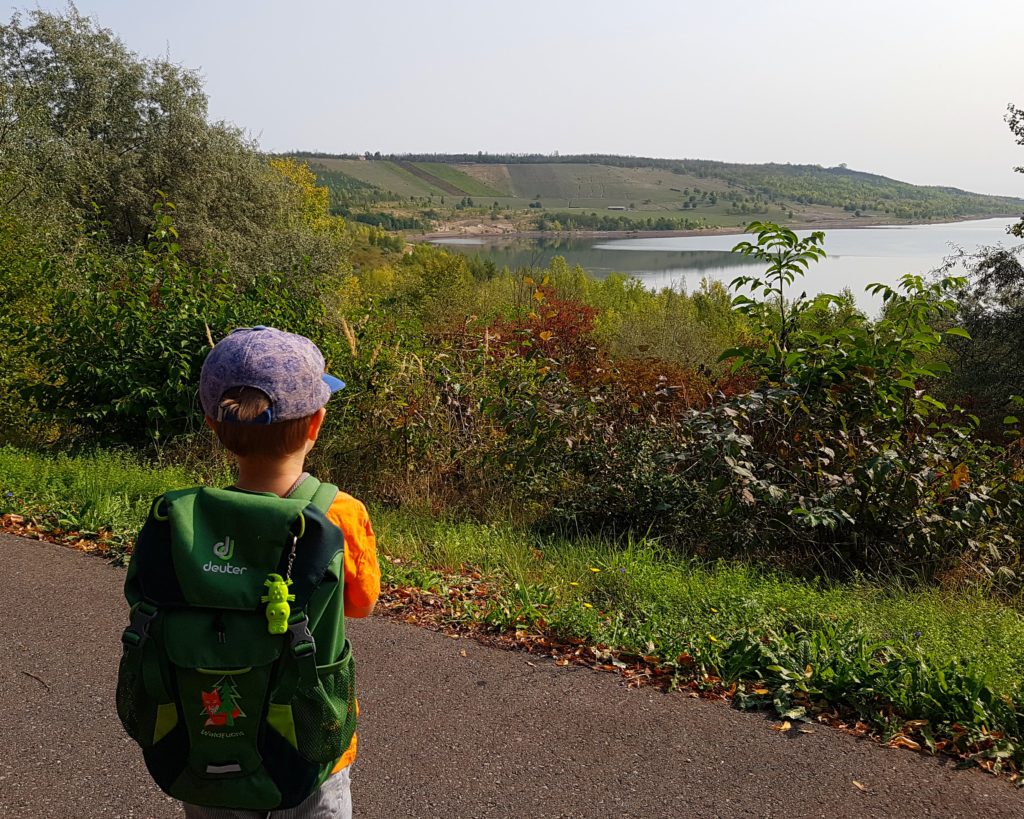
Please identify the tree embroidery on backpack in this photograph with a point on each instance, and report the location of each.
(222, 705)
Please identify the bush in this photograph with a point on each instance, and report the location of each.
(121, 348)
(839, 461)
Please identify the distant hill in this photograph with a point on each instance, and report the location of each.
(716, 193)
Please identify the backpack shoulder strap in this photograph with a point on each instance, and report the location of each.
(321, 495)
(151, 574)
(321, 541)
(324, 497)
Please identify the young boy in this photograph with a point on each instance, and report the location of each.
(264, 393)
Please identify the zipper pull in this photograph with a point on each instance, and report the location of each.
(218, 625)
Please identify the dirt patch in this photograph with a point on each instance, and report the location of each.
(494, 176)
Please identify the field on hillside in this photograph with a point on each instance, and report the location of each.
(453, 175)
(381, 174)
(612, 186)
(638, 196)
(556, 186)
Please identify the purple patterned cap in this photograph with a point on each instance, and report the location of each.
(288, 368)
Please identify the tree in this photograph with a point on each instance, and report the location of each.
(1015, 119)
(93, 134)
(988, 370)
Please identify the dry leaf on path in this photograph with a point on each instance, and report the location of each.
(900, 741)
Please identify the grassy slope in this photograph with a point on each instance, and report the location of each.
(659, 191)
(608, 185)
(384, 175)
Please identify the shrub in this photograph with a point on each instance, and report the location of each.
(841, 460)
(124, 340)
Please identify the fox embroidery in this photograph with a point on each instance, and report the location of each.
(219, 713)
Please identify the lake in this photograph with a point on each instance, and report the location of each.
(856, 256)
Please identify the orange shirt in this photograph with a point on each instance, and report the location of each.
(362, 573)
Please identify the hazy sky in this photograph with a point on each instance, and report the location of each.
(913, 90)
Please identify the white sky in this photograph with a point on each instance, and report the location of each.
(910, 89)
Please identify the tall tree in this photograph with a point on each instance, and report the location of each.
(1015, 119)
(92, 132)
(989, 368)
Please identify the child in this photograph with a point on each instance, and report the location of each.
(263, 392)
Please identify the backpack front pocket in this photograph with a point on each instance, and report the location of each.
(147, 712)
(133, 706)
(325, 714)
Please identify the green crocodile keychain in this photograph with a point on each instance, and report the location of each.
(277, 599)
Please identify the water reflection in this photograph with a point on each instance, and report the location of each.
(596, 256)
(857, 257)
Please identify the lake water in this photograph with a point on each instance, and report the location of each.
(856, 256)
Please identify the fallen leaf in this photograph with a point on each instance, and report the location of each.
(901, 741)
(761, 691)
(784, 726)
(859, 785)
(462, 652)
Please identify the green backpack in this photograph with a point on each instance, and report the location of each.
(240, 696)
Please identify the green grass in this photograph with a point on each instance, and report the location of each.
(885, 654)
(644, 596)
(90, 493)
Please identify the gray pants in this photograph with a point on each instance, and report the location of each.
(332, 801)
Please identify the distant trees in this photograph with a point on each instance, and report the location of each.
(600, 221)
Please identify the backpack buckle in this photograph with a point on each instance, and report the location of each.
(303, 648)
(302, 642)
(138, 626)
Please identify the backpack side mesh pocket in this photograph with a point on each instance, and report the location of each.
(325, 714)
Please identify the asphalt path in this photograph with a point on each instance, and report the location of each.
(449, 728)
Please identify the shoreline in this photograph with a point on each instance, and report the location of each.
(490, 235)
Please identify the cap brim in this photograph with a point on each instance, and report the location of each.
(334, 384)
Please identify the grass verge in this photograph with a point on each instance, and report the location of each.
(920, 667)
